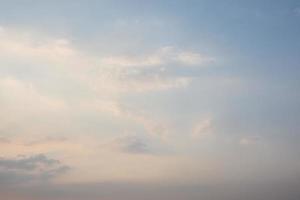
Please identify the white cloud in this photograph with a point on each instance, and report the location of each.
(22, 105)
(108, 74)
(202, 128)
(132, 144)
(163, 56)
(154, 127)
(28, 45)
(26, 104)
(47, 140)
(121, 82)
(107, 79)
(23, 97)
(249, 140)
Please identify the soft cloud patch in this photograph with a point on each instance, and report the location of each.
(148, 72)
(29, 45)
(29, 169)
(106, 79)
(154, 127)
(47, 140)
(66, 90)
(131, 144)
(163, 56)
(24, 96)
(202, 128)
(249, 140)
(105, 73)
(21, 102)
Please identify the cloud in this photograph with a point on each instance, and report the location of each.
(249, 140)
(154, 127)
(106, 83)
(31, 45)
(21, 96)
(123, 83)
(56, 88)
(47, 140)
(30, 169)
(202, 128)
(105, 73)
(45, 62)
(132, 144)
(163, 56)
(29, 163)
(21, 102)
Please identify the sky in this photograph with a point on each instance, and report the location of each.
(151, 100)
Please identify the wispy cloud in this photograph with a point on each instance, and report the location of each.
(250, 140)
(203, 128)
(105, 73)
(21, 101)
(29, 169)
(47, 140)
(26, 44)
(149, 100)
(163, 56)
(106, 81)
(39, 105)
(21, 95)
(132, 144)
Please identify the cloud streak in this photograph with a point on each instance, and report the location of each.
(164, 56)
(30, 169)
(132, 144)
(203, 128)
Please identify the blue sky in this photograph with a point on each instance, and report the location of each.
(120, 96)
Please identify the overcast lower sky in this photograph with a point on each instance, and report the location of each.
(149, 100)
